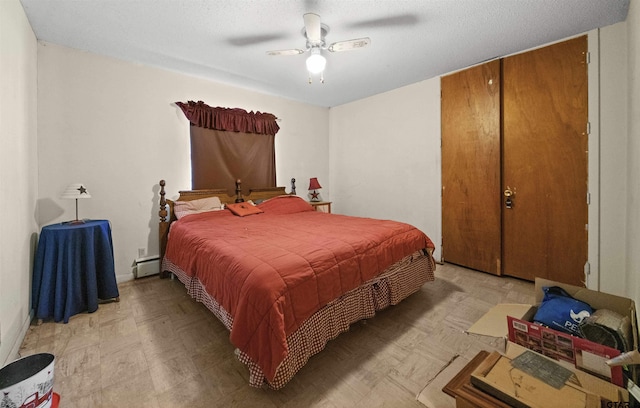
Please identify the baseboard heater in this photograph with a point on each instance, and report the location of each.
(149, 265)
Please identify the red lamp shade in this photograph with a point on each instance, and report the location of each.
(313, 184)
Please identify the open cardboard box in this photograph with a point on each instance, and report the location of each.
(513, 322)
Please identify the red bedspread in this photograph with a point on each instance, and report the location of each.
(273, 270)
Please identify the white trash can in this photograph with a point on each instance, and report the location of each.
(27, 382)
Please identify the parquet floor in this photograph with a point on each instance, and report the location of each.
(159, 348)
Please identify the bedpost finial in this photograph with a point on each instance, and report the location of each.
(239, 198)
(163, 203)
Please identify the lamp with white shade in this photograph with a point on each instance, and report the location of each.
(76, 191)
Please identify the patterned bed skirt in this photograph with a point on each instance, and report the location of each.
(389, 288)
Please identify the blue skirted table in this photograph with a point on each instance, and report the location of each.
(73, 269)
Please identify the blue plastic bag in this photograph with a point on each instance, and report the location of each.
(560, 311)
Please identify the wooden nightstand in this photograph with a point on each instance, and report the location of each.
(323, 206)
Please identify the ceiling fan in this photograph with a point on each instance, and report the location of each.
(314, 31)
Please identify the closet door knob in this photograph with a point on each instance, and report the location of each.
(509, 196)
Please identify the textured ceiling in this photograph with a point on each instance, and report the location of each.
(226, 40)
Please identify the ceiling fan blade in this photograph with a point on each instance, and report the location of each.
(254, 39)
(293, 51)
(313, 28)
(349, 44)
(392, 21)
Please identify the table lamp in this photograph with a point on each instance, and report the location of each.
(314, 186)
(76, 190)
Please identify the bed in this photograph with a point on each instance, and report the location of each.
(283, 278)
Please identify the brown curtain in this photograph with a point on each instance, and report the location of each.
(230, 144)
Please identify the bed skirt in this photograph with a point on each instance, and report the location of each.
(389, 288)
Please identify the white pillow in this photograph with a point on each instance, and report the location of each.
(182, 208)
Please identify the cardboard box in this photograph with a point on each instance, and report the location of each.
(523, 385)
(581, 353)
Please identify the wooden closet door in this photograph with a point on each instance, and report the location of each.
(471, 167)
(545, 163)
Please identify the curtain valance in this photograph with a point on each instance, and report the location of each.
(229, 119)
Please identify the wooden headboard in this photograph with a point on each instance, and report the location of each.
(167, 215)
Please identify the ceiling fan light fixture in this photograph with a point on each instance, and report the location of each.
(316, 62)
(314, 32)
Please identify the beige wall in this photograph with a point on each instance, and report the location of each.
(619, 144)
(113, 125)
(613, 137)
(632, 198)
(18, 174)
(385, 157)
